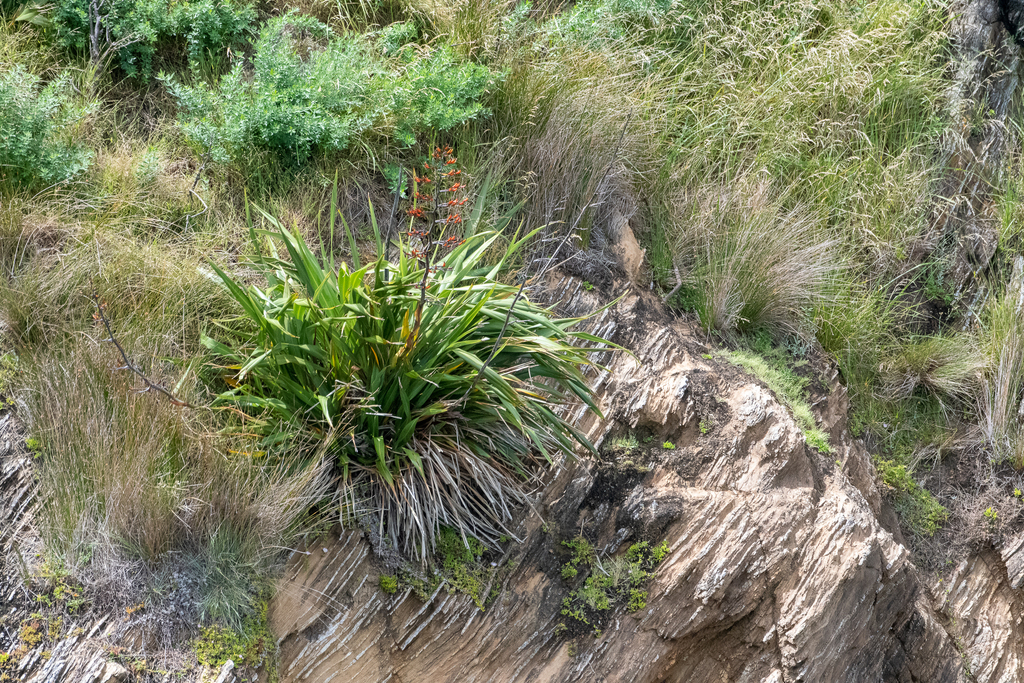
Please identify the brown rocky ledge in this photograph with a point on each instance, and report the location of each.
(779, 569)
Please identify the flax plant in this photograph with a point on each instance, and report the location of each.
(384, 367)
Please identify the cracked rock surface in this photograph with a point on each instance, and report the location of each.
(779, 569)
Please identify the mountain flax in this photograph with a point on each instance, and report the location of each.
(376, 365)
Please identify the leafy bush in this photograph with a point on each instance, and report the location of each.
(311, 91)
(606, 22)
(382, 374)
(37, 129)
(435, 92)
(139, 28)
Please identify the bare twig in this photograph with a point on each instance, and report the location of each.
(101, 47)
(547, 264)
(196, 215)
(394, 213)
(195, 183)
(128, 365)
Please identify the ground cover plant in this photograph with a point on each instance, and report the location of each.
(432, 384)
(777, 161)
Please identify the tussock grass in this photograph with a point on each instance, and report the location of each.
(139, 477)
(948, 366)
(1002, 387)
(158, 296)
(755, 266)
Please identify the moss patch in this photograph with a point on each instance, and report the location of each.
(614, 581)
(916, 506)
(252, 645)
(459, 565)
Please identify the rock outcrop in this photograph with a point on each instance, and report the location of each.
(779, 569)
(785, 563)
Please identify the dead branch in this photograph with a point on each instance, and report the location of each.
(128, 365)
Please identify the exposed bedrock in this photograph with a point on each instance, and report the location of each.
(779, 569)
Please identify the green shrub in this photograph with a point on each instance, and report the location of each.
(915, 505)
(309, 91)
(142, 28)
(37, 130)
(389, 584)
(384, 376)
(392, 38)
(611, 23)
(435, 92)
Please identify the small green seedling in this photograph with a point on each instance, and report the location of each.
(668, 446)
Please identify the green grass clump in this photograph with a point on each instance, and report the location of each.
(1002, 384)
(948, 366)
(915, 504)
(773, 369)
(755, 268)
(139, 478)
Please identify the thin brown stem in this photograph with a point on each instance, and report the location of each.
(128, 365)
